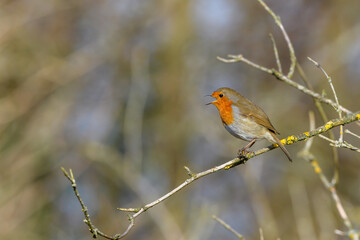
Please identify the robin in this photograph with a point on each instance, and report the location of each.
(245, 120)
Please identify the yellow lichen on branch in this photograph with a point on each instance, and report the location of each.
(301, 137)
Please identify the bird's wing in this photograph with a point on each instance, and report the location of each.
(254, 112)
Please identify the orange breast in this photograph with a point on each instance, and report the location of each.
(225, 110)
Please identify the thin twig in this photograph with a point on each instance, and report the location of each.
(334, 196)
(318, 98)
(236, 161)
(331, 187)
(351, 133)
(240, 58)
(349, 146)
(276, 53)
(329, 80)
(324, 117)
(228, 227)
(327, 139)
(338, 144)
(335, 96)
(282, 77)
(287, 39)
(261, 234)
(194, 176)
(94, 231)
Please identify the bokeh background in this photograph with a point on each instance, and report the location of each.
(115, 90)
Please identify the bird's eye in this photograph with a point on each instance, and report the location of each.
(221, 95)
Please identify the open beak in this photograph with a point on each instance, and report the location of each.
(209, 102)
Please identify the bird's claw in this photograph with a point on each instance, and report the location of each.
(242, 159)
(243, 152)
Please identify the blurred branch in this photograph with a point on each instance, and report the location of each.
(261, 234)
(194, 176)
(301, 209)
(228, 227)
(145, 191)
(342, 144)
(264, 213)
(309, 157)
(135, 106)
(351, 133)
(352, 234)
(332, 137)
(52, 76)
(324, 117)
(243, 159)
(133, 147)
(299, 196)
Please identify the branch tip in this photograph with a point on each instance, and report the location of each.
(133, 210)
(314, 62)
(189, 172)
(278, 63)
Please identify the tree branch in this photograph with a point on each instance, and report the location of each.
(228, 227)
(280, 76)
(194, 176)
(94, 231)
(243, 159)
(287, 39)
(309, 157)
(276, 53)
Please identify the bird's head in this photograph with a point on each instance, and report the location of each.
(223, 97)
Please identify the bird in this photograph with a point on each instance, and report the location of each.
(244, 119)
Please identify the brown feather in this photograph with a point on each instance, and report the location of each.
(281, 146)
(249, 109)
(250, 121)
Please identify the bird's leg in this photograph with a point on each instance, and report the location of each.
(243, 151)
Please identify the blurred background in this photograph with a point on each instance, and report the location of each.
(115, 90)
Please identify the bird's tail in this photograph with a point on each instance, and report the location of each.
(281, 146)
